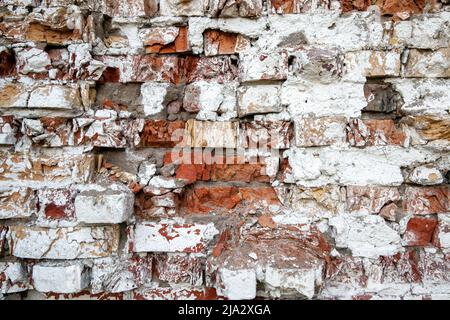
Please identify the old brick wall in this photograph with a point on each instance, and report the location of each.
(204, 149)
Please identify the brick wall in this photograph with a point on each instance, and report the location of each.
(204, 149)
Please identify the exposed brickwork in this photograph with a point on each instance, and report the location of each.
(211, 149)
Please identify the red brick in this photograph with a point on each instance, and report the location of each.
(56, 204)
(257, 197)
(219, 42)
(224, 199)
(393, 7)
(419, 231)
(374, 132)
(156, 68)
(350, 5)
(180, 44)
(110, 74)
(219, 68)
(426, 200)
(161, 133)
(205, 167)
(145, 207)
(206, 199)
(265, 134)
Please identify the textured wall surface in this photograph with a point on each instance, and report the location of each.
(205, 149)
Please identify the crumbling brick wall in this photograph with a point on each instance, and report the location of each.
(204, 149)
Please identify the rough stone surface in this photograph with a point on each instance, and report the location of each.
(224, 149)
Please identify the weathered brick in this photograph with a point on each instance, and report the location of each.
(265, 135)
(202, 134)
(177, 268)
(223, 199)
(381, 97)
(161, 133)
(369, 166)
(323, 131)
(98, 204)
(173, 237)
(419, 231)
(13, 277)
(64, 278)
(305, 98)
(426, 175)
(213, 101)
(181, 8)
(217, 42)
(256, 66)
(17, 203)
(203, 167)
(41, 29)
(238, 284)
(428, 63)
(298, 6)
(426, 200)
(361, 133)
(56, 204)
(32, 60)
(167, 293)
(402, 9)
(372, 64)
(311, 203)
(230, 8)
(55, 97)
(422, 96)
(131, 8)
(165, 40)
(441, 237)
(350, 5)
(206, 199)
(63, 243)
(116, 275)
(46, 169)
(218, 68)
(8, 131)
(370, 199)
(259, 99)
(83, 295)
(366, 236)
(294, 269)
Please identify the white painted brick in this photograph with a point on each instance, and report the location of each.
(366, 236)
(173, 237)
(55, 97)
(255, 65)
(69, 278)
(369, 166)
(153, 97)
(340, 98)
(424, 96)
(63, 243)
(301, 281)
(13, 277)
(259, 99)
(238, 284)
(213, 101)
(100, 204)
